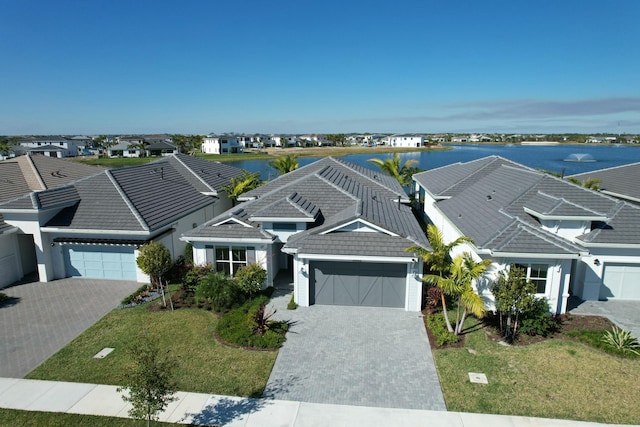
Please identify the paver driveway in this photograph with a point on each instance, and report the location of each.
(41, 318)
(356, 356)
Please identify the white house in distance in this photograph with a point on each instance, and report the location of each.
(224, 144)
(570, 240)
(405, 141)
(51, 146)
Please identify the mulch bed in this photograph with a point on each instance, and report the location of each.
(568, 323)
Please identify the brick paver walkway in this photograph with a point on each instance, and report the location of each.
(41, 318)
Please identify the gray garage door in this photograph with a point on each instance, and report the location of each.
(358, 283)
(100, 262)
(620, 281)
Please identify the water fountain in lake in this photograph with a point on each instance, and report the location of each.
(580, 157)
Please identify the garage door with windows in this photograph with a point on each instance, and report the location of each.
(358, 284)
(621, 281)
(100, 261)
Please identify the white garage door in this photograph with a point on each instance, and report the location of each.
(620, 281)
(9, 270)
(100, 262)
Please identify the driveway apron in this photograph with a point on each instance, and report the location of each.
(360, 356)
(41, 318)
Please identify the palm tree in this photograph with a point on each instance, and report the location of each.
(591, 183)
(394, 167)
(466, 270)
(439, 262)
(285, 164)
(241, 184)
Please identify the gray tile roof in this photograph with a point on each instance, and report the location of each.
(23, 174)
(489, 199)
(354, 243)
(292, 206)
(620, 181)
(205, 175)
(335, 193)
(137, 198)
(12, 182)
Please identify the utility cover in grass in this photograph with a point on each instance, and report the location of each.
(103, 353)
(478, 378)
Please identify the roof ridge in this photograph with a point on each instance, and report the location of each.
(569, 202)
(126, 200)
(297, 205)
(36, 172)
(344, 163)
(603, 169)
(174, 156)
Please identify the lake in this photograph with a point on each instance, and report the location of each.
(571, 159)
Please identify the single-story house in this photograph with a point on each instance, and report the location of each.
(161, 148)
(569, 239)
(337, 230)
(620, 181)
(20, 176)
(94, 226)
(125, 149)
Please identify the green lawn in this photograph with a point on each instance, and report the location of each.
(551, 379)
(12, 417)
(202, 365)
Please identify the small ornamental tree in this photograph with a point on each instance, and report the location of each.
(514, 295)
(149, 384)
(154, 259)
(250, 279)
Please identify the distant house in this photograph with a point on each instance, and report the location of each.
(126, 148)
(51, 146)
(459, 139)
(94, 226)
(161, 148)
(406, 141)
(224, 144)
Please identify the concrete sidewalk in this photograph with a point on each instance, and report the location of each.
(212, 410)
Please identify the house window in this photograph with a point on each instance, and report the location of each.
(284, 226)
(537, 273)
(229, 259)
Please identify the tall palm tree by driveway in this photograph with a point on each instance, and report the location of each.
(402, 172)
(439, 262)
(285, 164)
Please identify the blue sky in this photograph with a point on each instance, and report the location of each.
(107, 66)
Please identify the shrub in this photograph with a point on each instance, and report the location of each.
(238, 327)
(537, 320)
(292, 305)
(622, 341)
(220, 291)
(434, 297)
(3, 297)
(193, 277)
(250, 279)
(438, 327)
(188, 254)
